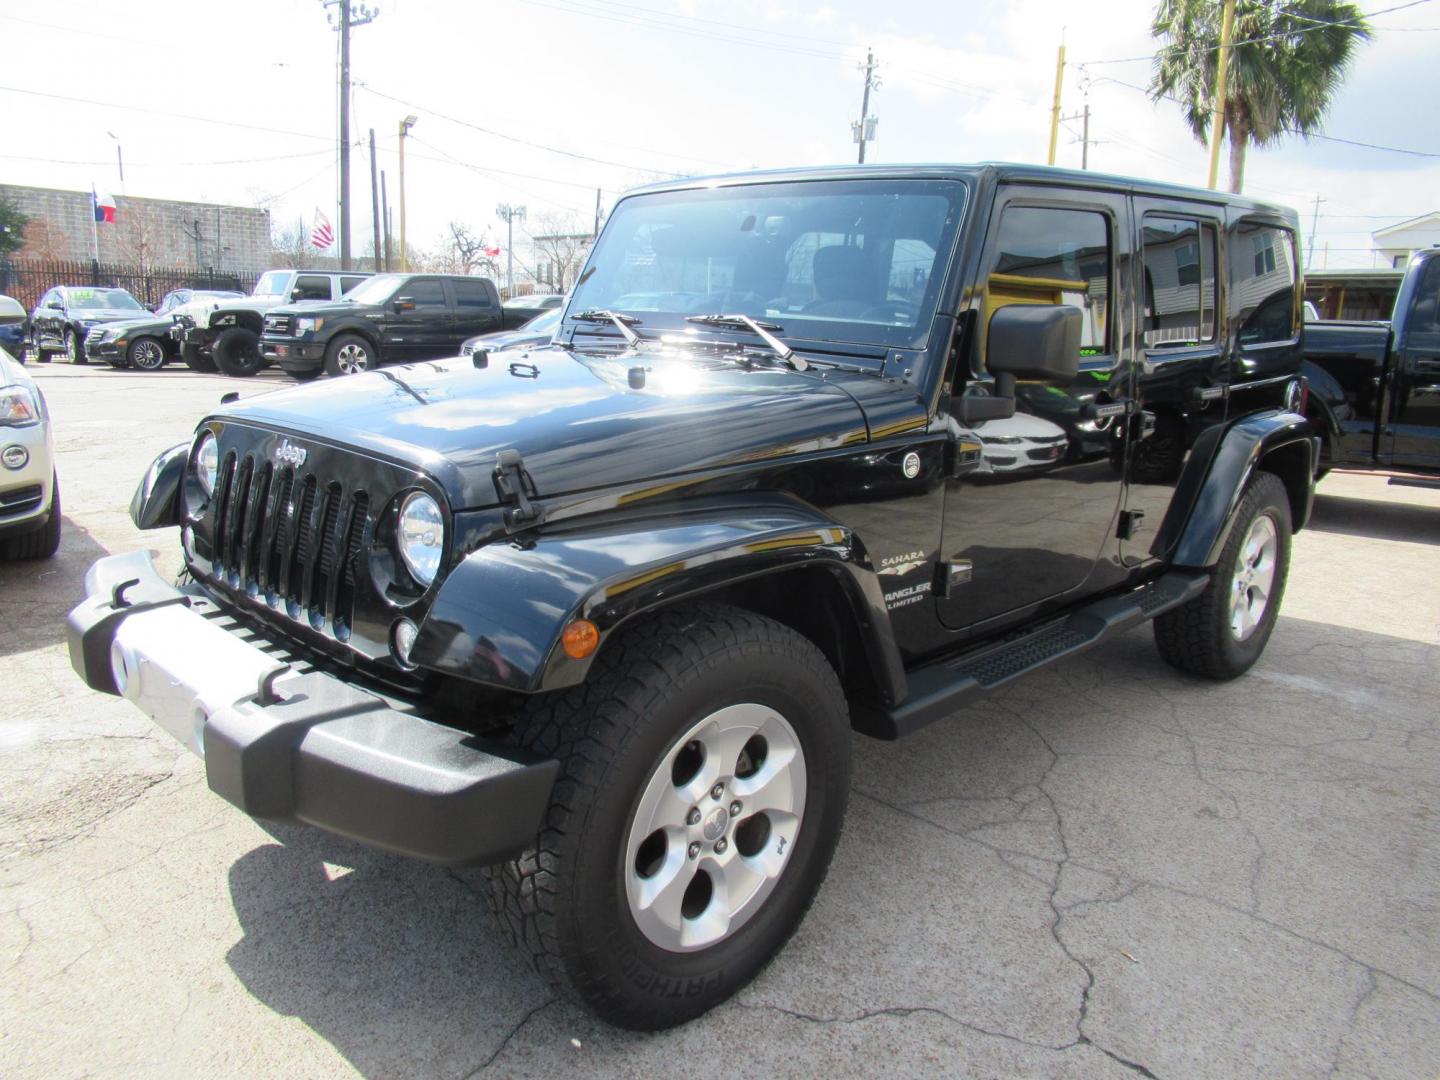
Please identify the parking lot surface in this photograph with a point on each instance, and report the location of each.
(1108, 869)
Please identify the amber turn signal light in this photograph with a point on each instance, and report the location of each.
(580, 639)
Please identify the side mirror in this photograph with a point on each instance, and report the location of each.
(1040, 342)
(56, 304)
(404, 303)
(297, 294)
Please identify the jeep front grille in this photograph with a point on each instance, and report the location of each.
(291, 539)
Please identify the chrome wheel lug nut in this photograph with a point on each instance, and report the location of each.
(721, 845)
(694, 850)
(693, 818)
(717, 791)
(735, 808)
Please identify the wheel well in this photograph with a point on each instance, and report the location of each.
(355, 331)
(1292, 464)
(813, 603)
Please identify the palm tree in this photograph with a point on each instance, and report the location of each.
(1285, 65)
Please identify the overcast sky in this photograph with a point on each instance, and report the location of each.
(236, 103)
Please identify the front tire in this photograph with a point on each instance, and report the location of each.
(647, 898)
(75, 348)
(145, 354)
(1222, 632)
(237, 352)
(196, 360)
(349, 354)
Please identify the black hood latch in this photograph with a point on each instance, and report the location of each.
(516, 489)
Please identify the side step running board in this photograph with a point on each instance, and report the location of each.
(938, 689)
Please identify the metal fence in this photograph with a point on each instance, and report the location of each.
(28, 279)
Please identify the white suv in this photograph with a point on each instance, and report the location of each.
(29, 490)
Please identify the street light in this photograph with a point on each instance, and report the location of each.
(405, 126)
(119, 160)
(510, 214)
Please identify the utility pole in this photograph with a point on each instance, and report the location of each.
(1084, 140)
(374, 207)
(510, 214)
(863, 129)
(1314, 225)
(405, 126)
(348, 18)
(385, 210)
(1222, 64)
(1055, 107)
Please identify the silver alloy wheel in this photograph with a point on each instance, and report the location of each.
(715, 827)
(72, 346)
(1254, 577)
(351, 359)
(147, 354)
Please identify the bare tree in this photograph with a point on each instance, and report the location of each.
(45, 240)
(138, 241)
(290, 246)
(460, 251)
(560, 244)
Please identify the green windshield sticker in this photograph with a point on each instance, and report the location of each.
(1090, 351)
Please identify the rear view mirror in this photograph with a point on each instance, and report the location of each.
(1038, 342)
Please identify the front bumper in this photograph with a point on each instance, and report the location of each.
(290, 353)
(26, 493)
(306, 748)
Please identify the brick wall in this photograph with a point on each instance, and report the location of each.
(150, 232)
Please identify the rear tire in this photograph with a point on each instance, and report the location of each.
(674, 706)
(237, 352)
(1222, 632)
(145, 354)
(44, 541)
(196, 360)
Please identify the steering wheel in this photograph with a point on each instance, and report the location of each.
(892, 311)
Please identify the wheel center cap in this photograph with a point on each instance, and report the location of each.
(715, 824)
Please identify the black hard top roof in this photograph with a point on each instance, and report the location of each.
(994, 170)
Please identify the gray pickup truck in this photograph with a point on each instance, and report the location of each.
(1375, 386)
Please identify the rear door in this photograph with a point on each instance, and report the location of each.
(477, 309)
(1412, 437)
(1182, 378)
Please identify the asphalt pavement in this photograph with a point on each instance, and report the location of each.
(1106, 870)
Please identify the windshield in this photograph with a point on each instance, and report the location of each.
(853, 261)
(117, 299)
(271, 284)
(375, 290)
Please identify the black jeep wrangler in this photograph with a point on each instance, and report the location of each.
(812, 450)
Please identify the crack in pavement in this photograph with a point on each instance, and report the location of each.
(509, 1035)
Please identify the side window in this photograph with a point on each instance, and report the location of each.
(426, 293)
(1262, 283)
(1424, 316)
(1045, 255)
(348, 283)
(471, 295)
(311, 287)
(1179, 299)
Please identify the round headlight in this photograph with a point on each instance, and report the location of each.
(421, 536)
(207, 462)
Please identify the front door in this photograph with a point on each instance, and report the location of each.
(1031, 509)
(421, 331)
(1413, 435)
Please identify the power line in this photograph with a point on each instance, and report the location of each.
(168, 164)
(511, 138)
(163, 112)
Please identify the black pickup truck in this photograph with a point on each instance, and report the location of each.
(1375, 386)
(810, 450)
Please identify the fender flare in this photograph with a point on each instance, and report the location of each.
(156, 502)
(499, 614)
(1213, 483)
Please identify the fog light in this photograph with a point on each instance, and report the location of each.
(15, 457)
(580, 639)
(402, 640)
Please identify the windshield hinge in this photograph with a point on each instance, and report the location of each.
(516, 488)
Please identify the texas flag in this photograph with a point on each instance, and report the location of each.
(104, 206)
(491, 252)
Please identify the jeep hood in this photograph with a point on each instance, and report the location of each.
(574, 417)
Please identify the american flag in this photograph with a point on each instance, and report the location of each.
(322, 236)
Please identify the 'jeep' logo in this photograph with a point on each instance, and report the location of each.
(288, 453)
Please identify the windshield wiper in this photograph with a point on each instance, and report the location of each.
(623, 322)
(759, 329)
